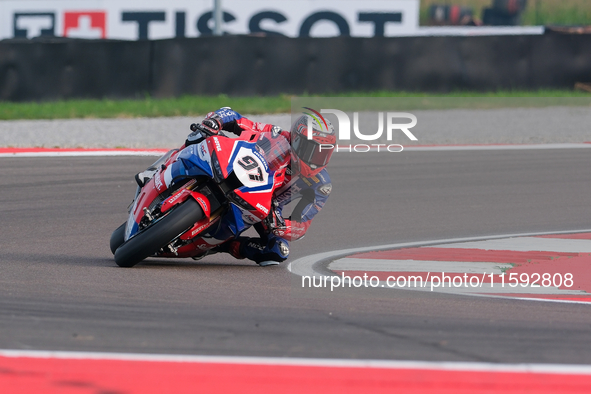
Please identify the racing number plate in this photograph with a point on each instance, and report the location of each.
(250, 168)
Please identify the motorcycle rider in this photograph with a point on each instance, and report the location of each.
(306, 180)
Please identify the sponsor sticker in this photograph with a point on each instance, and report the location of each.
(218, 147)
(262, 208)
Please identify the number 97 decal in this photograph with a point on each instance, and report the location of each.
(252, 167)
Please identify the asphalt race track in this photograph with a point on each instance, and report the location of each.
(61, 290)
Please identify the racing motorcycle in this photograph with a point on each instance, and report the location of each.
(203, 195)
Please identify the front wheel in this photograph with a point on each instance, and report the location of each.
(117, 238)
(152, 239)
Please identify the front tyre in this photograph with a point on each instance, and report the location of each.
(152, 239)
(117, 238)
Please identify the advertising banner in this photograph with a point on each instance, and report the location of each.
(154, 19)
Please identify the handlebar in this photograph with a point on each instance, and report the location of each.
(204, 129)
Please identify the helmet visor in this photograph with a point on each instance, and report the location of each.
(310, 151)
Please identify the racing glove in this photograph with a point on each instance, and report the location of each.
(200, 132)
(213, 121)
(292, 230)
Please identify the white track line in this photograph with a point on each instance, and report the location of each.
(84, 153)
(305, 266)
(528, 244)
(385, 265)
(453, 148)
(487, 289)
(498, 147)
(338, 363)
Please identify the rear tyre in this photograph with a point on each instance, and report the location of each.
(158, 235)
(117, 238)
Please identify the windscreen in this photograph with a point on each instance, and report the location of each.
(275, 149)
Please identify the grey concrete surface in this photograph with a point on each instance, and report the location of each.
(502, 126)
(496, 126)
(106, 133)
(60, 288)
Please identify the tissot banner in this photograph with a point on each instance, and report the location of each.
(156, 19)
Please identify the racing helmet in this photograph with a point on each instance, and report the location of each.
(310, 156)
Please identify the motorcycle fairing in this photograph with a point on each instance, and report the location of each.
(147, 195)
(181, 196)
(194, 160)
(251, 168)
(253, 197)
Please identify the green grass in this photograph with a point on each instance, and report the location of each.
(200, 105)
(149, 107)
(537, 12)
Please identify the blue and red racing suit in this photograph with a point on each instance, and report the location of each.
(312, 193)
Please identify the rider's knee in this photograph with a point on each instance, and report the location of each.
(275, 249)
(278, 248)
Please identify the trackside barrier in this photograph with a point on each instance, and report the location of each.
(246, 65)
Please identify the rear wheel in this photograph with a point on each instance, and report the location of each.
(159, 234)
(117, 238)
